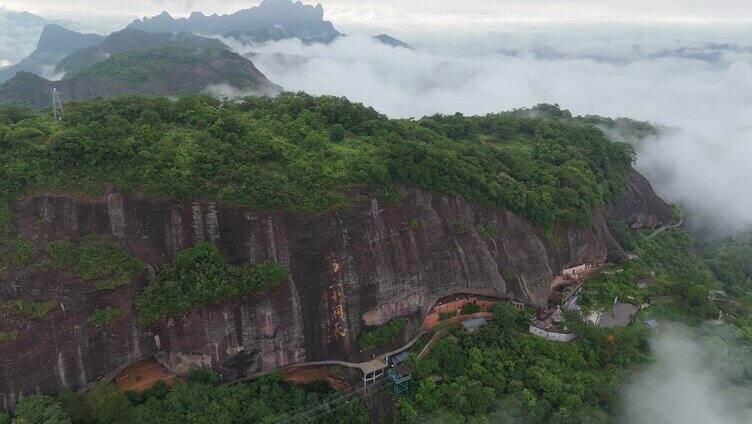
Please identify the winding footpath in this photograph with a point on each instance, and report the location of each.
(666, 227)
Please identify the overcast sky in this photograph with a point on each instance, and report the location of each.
(399, 13)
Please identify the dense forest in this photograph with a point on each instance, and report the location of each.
(300, 153)
(297, 152)
(502, 374)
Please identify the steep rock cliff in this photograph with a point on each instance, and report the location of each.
(639, 207)
(347, 270)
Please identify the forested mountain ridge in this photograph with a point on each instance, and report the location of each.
(165, 70)
(548, 171)
(127, 40)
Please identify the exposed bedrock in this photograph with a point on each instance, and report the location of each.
(348, 269)
(640, 207)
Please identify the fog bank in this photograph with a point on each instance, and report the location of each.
(695, 379)
(19, 33)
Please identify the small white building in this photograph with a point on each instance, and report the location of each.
(554, 336)
(550, 325)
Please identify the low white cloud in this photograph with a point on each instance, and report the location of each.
(19, 33)
(695, 379)
(229, 92)
(706, 169)
(698, 82)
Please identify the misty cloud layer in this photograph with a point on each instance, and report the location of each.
(698, 83)
(695, 379)
(19, 33)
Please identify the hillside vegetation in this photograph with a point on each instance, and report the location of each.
(201, 276)
(299, 153)
(166, 71)
(129, 40)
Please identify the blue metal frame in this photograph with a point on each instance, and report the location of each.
(400, 384)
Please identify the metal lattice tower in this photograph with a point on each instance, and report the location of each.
(400, 382)
(57, 105)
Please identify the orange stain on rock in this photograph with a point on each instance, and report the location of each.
(142, 375)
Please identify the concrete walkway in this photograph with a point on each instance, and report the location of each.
(375, 364)
(666, 227)
(367, 367)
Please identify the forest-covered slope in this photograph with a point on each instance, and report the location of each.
(166, 71)
(253, 234)
(297, 152)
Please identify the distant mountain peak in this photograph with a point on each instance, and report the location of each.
(302, 20)
(55, 43)
(56, 38)
(391, 41)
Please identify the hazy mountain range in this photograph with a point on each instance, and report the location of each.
(90, 65)
(173, 64)
(296, 19)
(126, 40)
(54, 44)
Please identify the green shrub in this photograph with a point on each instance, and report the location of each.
(200, 276)
(204, 376)
(382, 335)
(61, 254)
(21, 252)
(489, 231)
(337, 133)
(9, 336)
(622, 234)
(446, 315)
(102, 402)
(675, 215)
(509, 274)
(389, 194)
(6, 221)
(158, 391)
(415, 224)
(470, 308)
(104, 316)
(95, 259)
(28, 308)
(99, 258)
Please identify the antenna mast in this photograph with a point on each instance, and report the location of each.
(57, 104)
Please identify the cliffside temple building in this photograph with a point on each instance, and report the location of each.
(452, 306)
(565, 295)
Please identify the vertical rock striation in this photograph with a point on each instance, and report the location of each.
(347, 269)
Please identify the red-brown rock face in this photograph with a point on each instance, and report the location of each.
(640, 206)
(347, 269)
